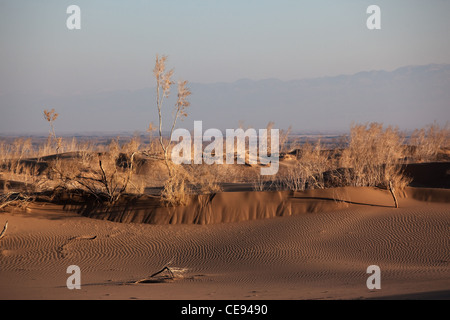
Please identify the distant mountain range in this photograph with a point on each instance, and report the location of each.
(409, 97)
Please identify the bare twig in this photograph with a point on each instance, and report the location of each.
(173, 273)
(162, 270)
(4, 230)
(106, 182)
(13, 198)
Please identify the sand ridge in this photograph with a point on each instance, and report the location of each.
(236, 206)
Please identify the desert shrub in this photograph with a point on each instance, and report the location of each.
(374, 156)
(188, 180)
(50, 116)
(307, 171)
(174, 185)
(176, 188)
(203, 178)
(428, 141)
(104, 175)
(13, 164)
(263, 182)
(14, 199)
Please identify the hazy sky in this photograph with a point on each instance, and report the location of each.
(210, 41)
(43, 64)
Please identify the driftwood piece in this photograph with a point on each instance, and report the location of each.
(4, 230)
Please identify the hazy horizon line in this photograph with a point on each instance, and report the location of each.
(248, 79)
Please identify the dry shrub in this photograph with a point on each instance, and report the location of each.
(263, 182)
(176, 188)
(163, 84)
(189, 180)
(203, 178)
(51, 117)
(105, 176)
(13, 164)
(174, 192)
(131, 146)
(222, 173)
(19, 149)
(429, 141)
(285, 146)
(307, 171)
(15, 199)
(374, 156)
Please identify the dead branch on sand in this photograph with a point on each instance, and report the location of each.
(173, 273)
(4, 230)
(14, 199)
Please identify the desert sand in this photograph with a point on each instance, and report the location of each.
(290, 245)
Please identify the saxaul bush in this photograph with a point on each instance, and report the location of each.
(427, 142)
(307, 171)
(106, 176)
(51, 116)
(175, 187)
(375, 157)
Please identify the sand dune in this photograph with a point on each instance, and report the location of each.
(312, 248)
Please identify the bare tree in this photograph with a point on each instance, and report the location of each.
(175, 187)
(51, 116)
(163, 84)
